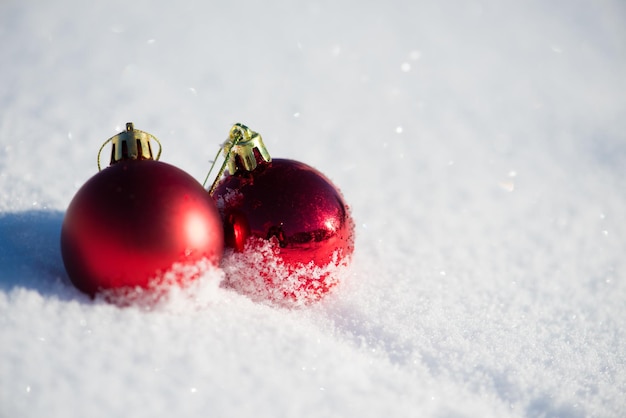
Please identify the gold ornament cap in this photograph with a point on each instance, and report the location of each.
(243, 149)
(131, 144)
(240, 154)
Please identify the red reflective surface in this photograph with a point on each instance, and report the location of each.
(291, 203)
(134, 220)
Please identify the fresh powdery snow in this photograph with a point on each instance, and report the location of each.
(480, 145)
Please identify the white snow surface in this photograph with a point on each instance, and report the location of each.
(481, 146)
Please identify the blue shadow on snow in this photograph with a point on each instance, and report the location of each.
(30, 255)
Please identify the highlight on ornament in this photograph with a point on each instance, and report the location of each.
(288, 233)
(139, 223)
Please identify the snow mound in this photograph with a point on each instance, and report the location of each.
(183, 287)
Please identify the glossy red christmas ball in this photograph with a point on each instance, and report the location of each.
(288, 225)
(134, 221)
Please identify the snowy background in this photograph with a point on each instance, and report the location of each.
(480, 144)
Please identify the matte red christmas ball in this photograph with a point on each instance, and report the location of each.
(287, 224)
(137, 219)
